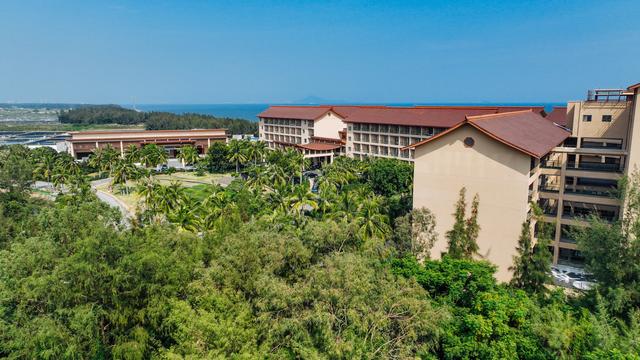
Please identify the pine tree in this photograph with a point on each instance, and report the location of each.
(472, 230)
(522, 261)
(456, 236)
(532, 265)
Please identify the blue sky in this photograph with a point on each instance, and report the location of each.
(281, 51)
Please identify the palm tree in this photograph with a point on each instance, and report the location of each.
(45, 166)
(296, 162)
(237, 153)
(121, 172)
(132, 154)
(259, 150)
(148, 189)
(371, 223)
(153, 155)
(302, 199)
(188, 154)
(104, 158)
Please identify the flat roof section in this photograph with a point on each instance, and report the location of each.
(81, 136)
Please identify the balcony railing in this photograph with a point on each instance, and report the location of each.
(549, 188)
(551, 164)
(580, 215)
(594, 166)
(607, 95)
(601, 193)
(602, 146)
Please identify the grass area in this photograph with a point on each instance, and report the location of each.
(190, 179)
(131, 200)
(198, 192)
(56, 126)
(194, 185)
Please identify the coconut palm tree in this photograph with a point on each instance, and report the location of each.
(188, 154)
(153, 155)
(259, 149)
(132, 154)
(122, 172)
(237, 153)
(104, 158)
(302, 199)
(45, 165)
(149, 190)
(371, 223)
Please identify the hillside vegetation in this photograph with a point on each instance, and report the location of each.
(113, 114)
(267, 268)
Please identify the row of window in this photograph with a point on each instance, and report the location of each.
(395, 129)
(288, 122)
(284, 130)
(284, 138)
(385, 139)
(605, 118)
(381, 150)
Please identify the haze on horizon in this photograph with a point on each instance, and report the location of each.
(282, 51)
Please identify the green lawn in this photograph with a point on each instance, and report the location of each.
(193, 184)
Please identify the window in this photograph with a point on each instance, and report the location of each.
(469, 142)
(586, 118)
(349, 138)
(606, 118)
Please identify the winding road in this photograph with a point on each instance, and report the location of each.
(103, 196)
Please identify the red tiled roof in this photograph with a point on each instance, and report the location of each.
(294, 112)
(558, 115)
(433, 116)
(633, 87)
(525, 131)
(319, 146)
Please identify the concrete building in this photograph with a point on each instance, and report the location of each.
(569, 163)
(361, 131)
(82, 143)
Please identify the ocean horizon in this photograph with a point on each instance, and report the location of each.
(250, 111)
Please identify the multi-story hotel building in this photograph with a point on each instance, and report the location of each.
(323, 132)
(569, 163)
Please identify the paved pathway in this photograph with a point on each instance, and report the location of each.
(103, 196)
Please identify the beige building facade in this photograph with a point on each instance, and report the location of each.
(363, 131)
(513, 162)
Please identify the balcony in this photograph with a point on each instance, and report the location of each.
(551, 164)
(549, 188)
(584, 214)
(591, 192)
(594, 166)
(594, 145)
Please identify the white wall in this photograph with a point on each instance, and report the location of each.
(328, 126)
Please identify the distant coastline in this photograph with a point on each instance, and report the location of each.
(251, 111)
(239, 111)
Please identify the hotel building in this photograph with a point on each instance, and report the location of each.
(322, 132)
(568, 162)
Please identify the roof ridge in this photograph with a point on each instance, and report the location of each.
(471, 118)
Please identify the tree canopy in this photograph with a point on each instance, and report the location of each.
(114, 114)
(271, 267)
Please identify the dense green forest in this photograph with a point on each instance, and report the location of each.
(269, 268)
(113, 114)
